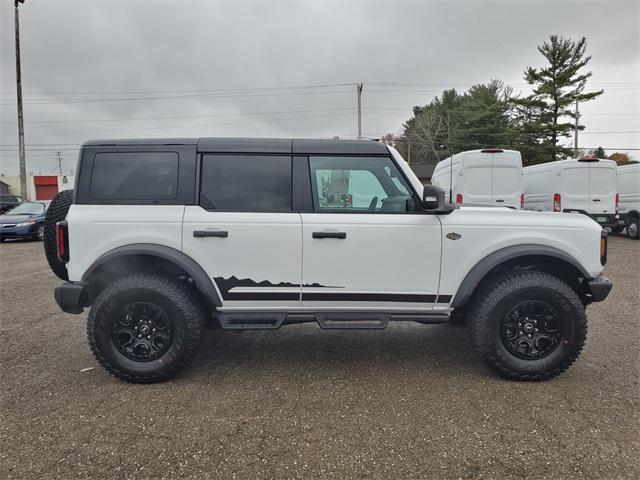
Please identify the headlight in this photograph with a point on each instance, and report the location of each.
(25, 224)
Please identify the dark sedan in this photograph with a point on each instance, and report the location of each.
(24, 221)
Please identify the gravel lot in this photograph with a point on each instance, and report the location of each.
(412, 401)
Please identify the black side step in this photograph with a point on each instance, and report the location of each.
(251, 321)
(347, 320)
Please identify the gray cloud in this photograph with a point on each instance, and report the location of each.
(87, 47)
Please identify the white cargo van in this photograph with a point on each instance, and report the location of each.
(491, 176)
(585, 185)
(629, 195)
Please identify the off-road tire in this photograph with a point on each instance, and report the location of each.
(491, 303)
(56, 212)
(632, 228)
(180, 304)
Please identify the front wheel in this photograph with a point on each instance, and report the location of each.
(528, 325)
(145, 328)
(39, 235)
(632, 228)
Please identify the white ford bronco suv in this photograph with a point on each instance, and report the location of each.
(161, 237)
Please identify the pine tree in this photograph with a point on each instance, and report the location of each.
(556, 87)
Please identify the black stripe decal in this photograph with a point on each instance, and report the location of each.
(335, 297)
(367, 297)
(258, 296)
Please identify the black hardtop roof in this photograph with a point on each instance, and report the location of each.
(259, 145)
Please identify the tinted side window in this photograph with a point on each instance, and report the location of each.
(135, 176)
(246, 183)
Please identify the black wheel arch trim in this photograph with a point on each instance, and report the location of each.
(488, 263)
(202, 281)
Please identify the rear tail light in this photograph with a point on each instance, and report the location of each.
(62, 241)
(557, 202)
(522, 201)
(459, 199)
(603, 247)
(617, 202)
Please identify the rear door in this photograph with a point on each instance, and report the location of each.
(574, 181)
(507, 179)
(602, 188)
(244, 232)
(477, 179)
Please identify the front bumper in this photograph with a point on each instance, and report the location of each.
(17, 232)
(599, 287)
(68, 296)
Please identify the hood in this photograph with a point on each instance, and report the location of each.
(523, 219)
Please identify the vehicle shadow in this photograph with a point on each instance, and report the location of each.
(299, 348)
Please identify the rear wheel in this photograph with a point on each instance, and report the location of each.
(528, 325)
(56, 212)
(145, 328)
(632, 228)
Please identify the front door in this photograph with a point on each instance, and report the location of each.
(244, 232)
(362, 248)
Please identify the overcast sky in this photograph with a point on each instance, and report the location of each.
(123, 69)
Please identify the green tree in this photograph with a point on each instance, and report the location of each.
(556, 88)
(453, 122)
(599, 153)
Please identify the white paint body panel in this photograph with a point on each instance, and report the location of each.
(97, 229)
(482, 178)
(486, 230)
(393, 254)
(629, 188)
(586, 186)
(260, 247)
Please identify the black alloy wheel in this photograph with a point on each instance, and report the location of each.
(531, 329)
(142, 331)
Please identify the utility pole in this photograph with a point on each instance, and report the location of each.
(409, 153)
(359, 90)
(23, 162)
(575, 138)
(59, 155)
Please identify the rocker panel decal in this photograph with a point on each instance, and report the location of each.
(250, 291)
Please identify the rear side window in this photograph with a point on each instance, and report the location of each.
(135, 176)
(246, 183)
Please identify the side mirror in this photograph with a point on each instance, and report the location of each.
(433, 200)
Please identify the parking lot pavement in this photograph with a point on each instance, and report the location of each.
(412, 401)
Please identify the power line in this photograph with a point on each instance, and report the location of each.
(177, 117)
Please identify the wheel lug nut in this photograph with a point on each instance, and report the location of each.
(148, 337)
(153, 330)
(521, 332)
(535, 329)
(139, 336)
(529, 335)
(135, 328)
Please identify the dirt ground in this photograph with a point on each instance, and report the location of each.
(412, 401)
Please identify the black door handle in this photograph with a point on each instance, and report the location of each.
(596, 199)
(340, 235)
(210, 233)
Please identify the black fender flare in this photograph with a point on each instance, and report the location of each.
(488, 263)
(203, 283)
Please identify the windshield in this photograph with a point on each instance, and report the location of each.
(27, 208)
